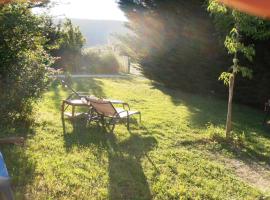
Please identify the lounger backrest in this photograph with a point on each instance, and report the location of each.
(103, 107)
(69, 87)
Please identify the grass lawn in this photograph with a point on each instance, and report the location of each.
(177, 152)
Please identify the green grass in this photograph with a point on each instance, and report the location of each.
(170, 155)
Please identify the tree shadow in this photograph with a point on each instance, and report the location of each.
(56, 98)
(126, 175)
(89, 86)
(127, 179)
(247, 154)
(202, 108)
(247, 124)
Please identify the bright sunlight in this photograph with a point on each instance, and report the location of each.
(83, 9)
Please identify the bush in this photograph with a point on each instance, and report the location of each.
(99, 61)
(71, 42)
(23, 63)
(108, 63)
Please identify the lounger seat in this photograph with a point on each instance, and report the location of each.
(105, 109)
(124, 113)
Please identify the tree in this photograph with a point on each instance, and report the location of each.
(70, 47)
(31, 3)
(52, 34)
(174, 43)
(23, 60)
(242, 27)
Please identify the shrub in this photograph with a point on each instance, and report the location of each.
(108, 63)
(99, 61)
(67, 42)
(23, 63)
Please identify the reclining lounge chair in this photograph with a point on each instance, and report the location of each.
(102, 109)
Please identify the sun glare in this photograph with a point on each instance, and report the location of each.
(87, 9)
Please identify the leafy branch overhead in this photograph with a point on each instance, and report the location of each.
(30, 3)
(240, 30)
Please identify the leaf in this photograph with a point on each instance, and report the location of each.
(225, 77)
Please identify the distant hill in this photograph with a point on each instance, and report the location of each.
(97, 32)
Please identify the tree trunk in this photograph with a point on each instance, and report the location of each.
(229, 113)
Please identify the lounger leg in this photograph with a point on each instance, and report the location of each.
(112, 129)
(90, 116)
(103, 121)
(128, 122)
(112, 123)
(62, 109)
(63, 117)
(73, 111)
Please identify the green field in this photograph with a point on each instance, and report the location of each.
(177, 152)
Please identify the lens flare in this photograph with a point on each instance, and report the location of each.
(259, 8)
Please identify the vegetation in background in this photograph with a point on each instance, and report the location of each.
(24, 61)
(99, 61)
(70, 49)
(73, 58)
(176, 42)
(31, 3)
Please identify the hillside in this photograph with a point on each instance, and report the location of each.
(97, 32)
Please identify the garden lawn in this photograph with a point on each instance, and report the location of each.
(173, 154)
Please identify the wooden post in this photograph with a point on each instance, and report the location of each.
(73, 111)
(128, 64)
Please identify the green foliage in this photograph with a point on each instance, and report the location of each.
(128, 45)
(225, 77)
(234, 46)
(100, 61)
(174, 42)
(70, 46)
(52, 34)
(225, 19)
(23, 60)
(240, 26)
(72, 39)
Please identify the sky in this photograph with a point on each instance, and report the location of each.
(86, 9)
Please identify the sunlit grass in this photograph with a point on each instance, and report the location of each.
(168, 156)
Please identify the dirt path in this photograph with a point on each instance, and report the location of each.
(254, 174)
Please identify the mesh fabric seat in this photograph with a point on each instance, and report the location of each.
(105, 109)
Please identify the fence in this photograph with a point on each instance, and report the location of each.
(123, 62)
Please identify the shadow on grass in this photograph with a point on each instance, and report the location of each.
(247, 123)
(208, 108)
(57, 98)
(20, 167)
(126, 176)
(202, 109)
(89, 86)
